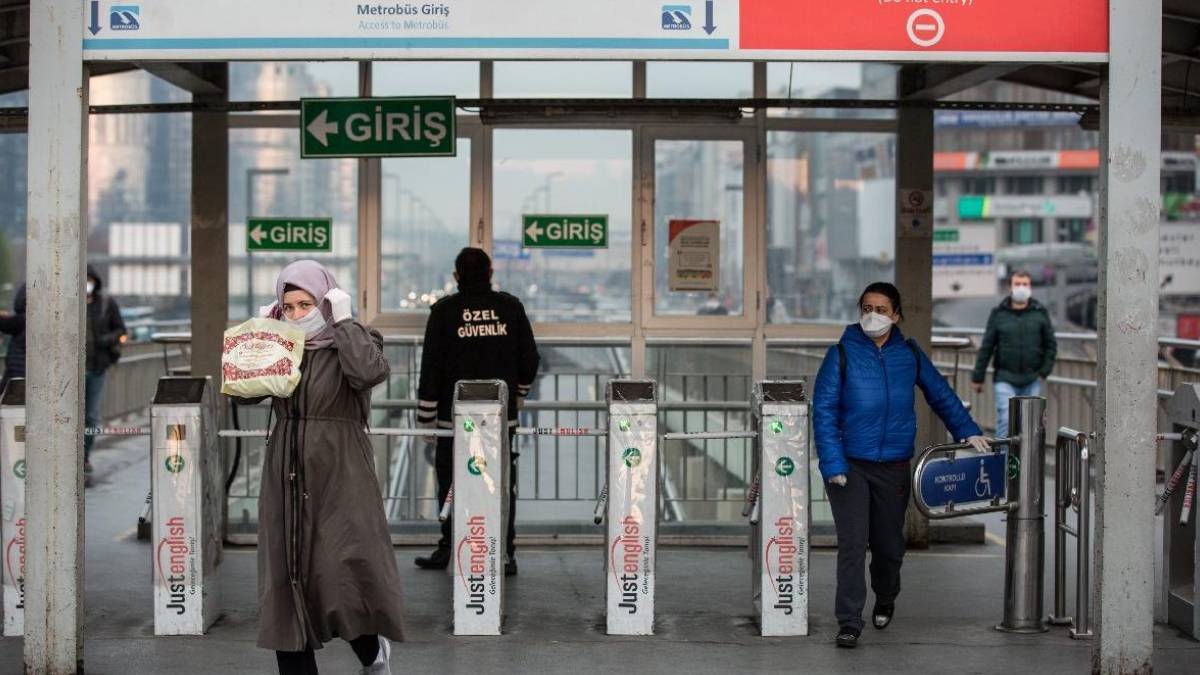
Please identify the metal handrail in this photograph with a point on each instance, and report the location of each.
(950, 511)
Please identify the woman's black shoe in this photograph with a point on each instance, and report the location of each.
(882, 615)
(847, 637)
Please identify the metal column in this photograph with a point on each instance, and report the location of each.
(57, 227)
(1025, 557)
(632, 527)
(1130, 124)
(209, 248)
(914, 246)
(480, 505)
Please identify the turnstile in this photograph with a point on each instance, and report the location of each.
(480, 505)
(12, 494)
(187, 480)
(781, 514)
(1181, 559)
(632, 509)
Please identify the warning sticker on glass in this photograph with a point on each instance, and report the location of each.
(694, 252)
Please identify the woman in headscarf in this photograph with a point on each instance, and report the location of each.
(325, 562)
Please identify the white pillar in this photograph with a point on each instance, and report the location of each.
(1126, 402)
(56, 232)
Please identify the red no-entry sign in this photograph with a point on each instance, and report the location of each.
(988, 29)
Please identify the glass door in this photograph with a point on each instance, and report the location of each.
(698, 215)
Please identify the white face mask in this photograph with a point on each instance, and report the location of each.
(875, 325)
(1022, 293)
(310, 323)
(91, 287)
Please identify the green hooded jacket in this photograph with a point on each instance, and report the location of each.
(1022, 342)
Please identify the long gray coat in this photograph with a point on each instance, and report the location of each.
(325, 562)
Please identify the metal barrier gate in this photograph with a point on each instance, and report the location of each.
(1072, 492)
(1181, 546)
(12, 491)
(479, 543)
(1012, 482)
(188, 511)
(632, 497)
(779, 509)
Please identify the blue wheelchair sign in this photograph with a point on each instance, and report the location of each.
(964, 480)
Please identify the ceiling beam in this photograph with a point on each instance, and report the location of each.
(944, 80)
(186, 76)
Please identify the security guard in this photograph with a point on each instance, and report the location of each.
(475, 334)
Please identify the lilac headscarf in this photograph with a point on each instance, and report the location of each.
(312, 277)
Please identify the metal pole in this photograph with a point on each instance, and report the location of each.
(57, 207)
(1024, 565)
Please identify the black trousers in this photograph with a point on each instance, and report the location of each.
(444, 463)
(868, 511)
(366, 648)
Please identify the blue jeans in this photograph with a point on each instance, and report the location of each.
(1005, 391)
(93, 388)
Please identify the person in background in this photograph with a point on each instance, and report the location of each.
(13, 324)
(105, 336)
(474, 334)
(1020, 336)
(864, 425)
(325, 562)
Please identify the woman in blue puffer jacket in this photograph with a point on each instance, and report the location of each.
(864, 425)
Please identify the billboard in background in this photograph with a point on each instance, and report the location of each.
(811, 30)
(964, 262)
(1179, 258)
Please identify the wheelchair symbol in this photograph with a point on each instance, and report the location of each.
(983, 484)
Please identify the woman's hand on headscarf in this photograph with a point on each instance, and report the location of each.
(268, 311)
(979, 443)
(339, 304)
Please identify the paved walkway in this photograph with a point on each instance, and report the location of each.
(952, 597)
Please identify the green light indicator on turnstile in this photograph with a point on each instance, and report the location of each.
(174, 463)
(632, 457)
(785, 466)
(776, 427)
(468, 426)
(1014, 466)
(19, 469)
(623, 425)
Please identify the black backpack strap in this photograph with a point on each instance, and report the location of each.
(916, 350)
(842, 363)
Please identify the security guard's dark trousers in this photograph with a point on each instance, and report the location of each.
(868, 511)
(444, 463)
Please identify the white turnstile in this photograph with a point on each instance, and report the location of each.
(632, 511)
(480, 505)
(188, 511)
(12, 494)
(781, 516)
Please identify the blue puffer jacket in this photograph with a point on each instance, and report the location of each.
(872, 417)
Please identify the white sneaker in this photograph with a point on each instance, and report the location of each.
(381, 665)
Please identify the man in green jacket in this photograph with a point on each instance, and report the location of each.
(1021, 337)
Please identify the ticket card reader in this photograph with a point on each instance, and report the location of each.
(480, 505)
(632, 516)
(781, 535)
(12, 500)
(187, 480)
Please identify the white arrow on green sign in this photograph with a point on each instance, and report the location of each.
(564, 231)
(377, 127)
(289, 234)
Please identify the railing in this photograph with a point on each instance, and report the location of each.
(705, 387)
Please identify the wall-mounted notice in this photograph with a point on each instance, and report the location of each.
(694, 254)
